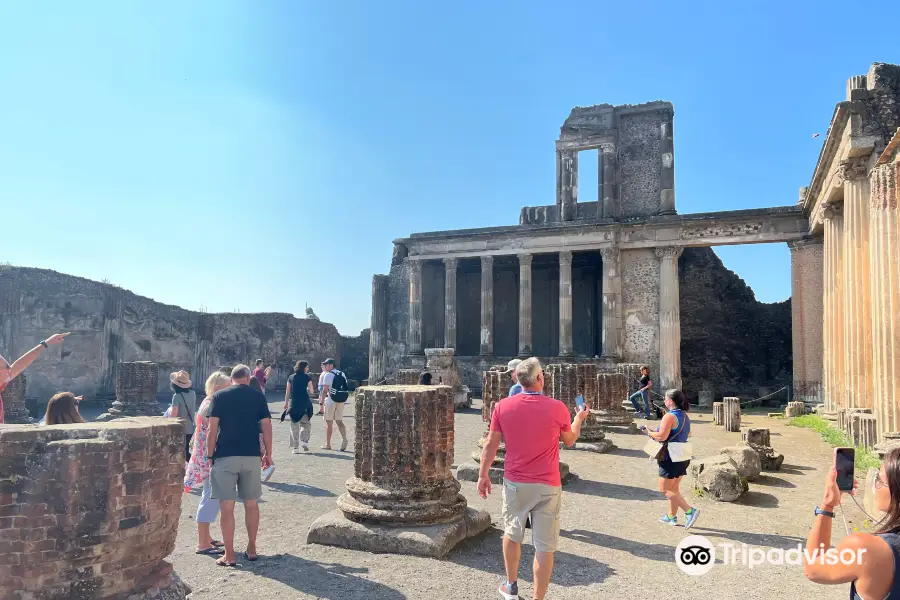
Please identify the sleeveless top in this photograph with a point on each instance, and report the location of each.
(682, 436)
(893, 540)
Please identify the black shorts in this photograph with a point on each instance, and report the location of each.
(673, 470)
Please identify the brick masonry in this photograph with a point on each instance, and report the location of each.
(78, 501)
(14, 409)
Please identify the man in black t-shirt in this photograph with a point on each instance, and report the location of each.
(643, 393)
(236, 417)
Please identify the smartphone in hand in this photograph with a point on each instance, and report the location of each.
(579, 402)
(843, 464)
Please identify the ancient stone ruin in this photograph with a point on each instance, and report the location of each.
(608, 411)
(135, 391)
(760, 440)
(566, 381)
(717, 477)
(91, 510)
(731, 414)
(14, 408)
(403, 497)
(795, 409)
(441, 363)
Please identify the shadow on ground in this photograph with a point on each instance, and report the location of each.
(321, 580)
(485, 554)
(770, 481)
(299, 488)
(633, 452)
(612, 490)
(658, 552)
(343, 455)
(758, 499)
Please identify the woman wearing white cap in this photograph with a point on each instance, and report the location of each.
(9, 371)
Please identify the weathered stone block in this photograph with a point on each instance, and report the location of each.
(718, 413)
(717, 477)
(864, 430)
(14, 408)
(795, 409)
(756, 436)
(746, 459)
(731, 414)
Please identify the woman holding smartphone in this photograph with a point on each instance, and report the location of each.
(872, 575)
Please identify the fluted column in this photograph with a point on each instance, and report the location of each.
(415, 306)
(669, 318)
(566, 183)
(857, 286)
(525, 329)
(885, 269)
(487, 305)
(449, 303)
(565, 303)
(833, 330)
(612, 303)
(378, 333)
(806, 318)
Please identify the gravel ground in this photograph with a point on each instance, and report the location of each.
(611, 544)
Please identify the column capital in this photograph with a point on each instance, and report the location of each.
(450, 263)
(414, 263)
(525, 260)
(853, 169)
(609, 253)
(668, 251)
(833, 210)
(810, 241)
(565, 257)
(487, 261)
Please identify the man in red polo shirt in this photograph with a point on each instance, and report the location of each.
(532, 426)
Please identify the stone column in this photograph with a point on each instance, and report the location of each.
(415, 307)
(112, 347)
(884, 228)
(14, 408)
(806, 318)
(565, 303)
(449, 303)
(669, 319)
(136, 384)
(525, 329)
(612, 304)
(487, 305)
(856, 277)
(608, 200)
(378, 333)
(833, 300)
(667, 170)
(402, 477)
(566, 183)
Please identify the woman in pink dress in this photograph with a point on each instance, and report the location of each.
(9, 371)
(197, 473)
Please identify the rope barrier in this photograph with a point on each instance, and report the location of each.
(742, 403)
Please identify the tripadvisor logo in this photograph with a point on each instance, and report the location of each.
(695, 555)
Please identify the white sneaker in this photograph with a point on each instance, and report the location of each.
(295, 451)
(267, 474)
(305, 447)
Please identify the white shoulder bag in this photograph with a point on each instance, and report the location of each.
(677, 451)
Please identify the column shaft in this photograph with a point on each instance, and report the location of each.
(612, 303)
(378, 333)
(834, 309)
(806, 318)
(565, 303)
(667, 170)
(487, 305)
(525, 329)
(415, 307)
(450, 303)
(669, 318)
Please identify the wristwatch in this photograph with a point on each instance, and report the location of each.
(826, 513)
(44, 344)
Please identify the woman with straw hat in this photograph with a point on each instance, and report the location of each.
(184, 406)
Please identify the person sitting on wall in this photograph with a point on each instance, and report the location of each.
(9, 371)
(63, 410)
(425, 379)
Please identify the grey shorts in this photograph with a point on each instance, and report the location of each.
(234, 477)
(543, 503)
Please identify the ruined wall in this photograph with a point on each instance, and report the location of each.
(640, 307)
(728, 338)
(640, 145)
(111, 325)
(90, 510)
(354, 356)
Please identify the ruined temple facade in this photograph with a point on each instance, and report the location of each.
(852, 256)
(573, 281)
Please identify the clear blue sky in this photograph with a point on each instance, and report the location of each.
(262, 155)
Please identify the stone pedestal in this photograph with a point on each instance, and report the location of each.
(795, 409)
(732, 414)
(403, 498)
(566, 381)
(846, 414)
(441, 363)
(863, 430)
(718, 413)
(136, 384)
(611, 388)
(14, 408)
(760, 440)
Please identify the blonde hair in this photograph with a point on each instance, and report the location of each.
(527, 372)
(215, 381)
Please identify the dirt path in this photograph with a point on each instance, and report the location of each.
(612, 545)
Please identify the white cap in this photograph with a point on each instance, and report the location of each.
(511, 365)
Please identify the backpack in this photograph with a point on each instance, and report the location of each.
(339, 391)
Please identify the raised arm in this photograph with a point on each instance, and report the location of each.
(29, 357)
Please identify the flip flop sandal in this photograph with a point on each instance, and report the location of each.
(223, 563)
(209, 551)
(217, 544)
(250, 558)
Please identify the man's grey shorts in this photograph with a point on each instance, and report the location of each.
(543, 503)
(236, 477)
